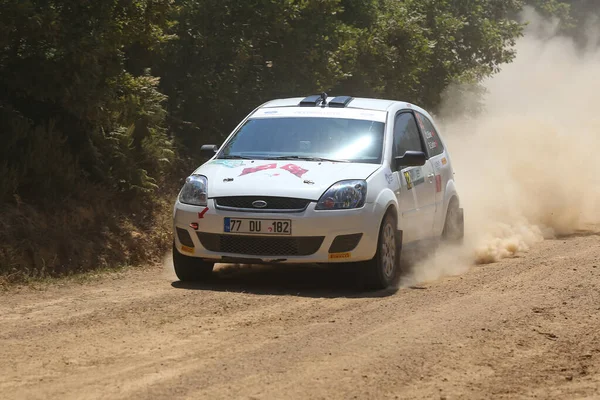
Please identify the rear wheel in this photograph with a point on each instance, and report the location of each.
(383, 270)
(191, 269)
(454, 227)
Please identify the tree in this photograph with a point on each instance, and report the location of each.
(63, 70)
(417, 48)
(573, 16)
(230, 56)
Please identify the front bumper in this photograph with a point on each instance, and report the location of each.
(313, 233)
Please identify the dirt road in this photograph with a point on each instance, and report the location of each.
(527, 327)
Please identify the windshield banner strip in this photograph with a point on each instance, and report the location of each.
(368, 115)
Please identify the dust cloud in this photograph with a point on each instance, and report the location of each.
(168, 272)
(528, 167)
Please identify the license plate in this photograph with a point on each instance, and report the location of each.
(258, 226)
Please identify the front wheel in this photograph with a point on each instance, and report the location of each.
(190, 269)
(383, 270)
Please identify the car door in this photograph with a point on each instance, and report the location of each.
(416, 197)
(441, 167)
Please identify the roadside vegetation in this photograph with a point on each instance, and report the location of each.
(104, 104)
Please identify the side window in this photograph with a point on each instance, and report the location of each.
(434, 145)
(406, 134)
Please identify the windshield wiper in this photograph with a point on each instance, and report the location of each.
(306, 158)
(236, 157)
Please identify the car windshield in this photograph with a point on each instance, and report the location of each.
(310, 138)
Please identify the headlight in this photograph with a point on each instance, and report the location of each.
(344, 195)
(194, 191)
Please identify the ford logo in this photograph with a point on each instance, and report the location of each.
(259, 204)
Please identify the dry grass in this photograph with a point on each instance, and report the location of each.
(77, 236)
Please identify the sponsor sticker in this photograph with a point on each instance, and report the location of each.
(339, 256)
(444, 161)
(201, 213)
(187, 249)
(389, 178)
(264, 167)
(416, 174)
(291, 168)
(318, 112)
(413, 177)
(294, 169)
(229, 163)
(408, 180)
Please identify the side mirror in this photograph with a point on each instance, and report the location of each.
(410, 159)
(208, 150)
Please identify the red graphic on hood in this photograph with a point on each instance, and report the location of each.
(265, 167)
(291, 168)
(294, 169)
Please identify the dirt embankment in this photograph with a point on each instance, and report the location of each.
(522, 328)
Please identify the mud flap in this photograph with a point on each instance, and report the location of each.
(399, 241)
(460, 222)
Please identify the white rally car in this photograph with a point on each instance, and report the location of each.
(319, 180)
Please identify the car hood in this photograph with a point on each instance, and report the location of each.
(289, 178)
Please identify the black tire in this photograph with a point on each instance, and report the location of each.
(383, 271)
(454, 227)
(191, 269)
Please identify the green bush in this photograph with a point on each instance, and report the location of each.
(37, 163)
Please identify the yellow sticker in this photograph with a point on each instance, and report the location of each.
(339, 256)
(444, 161)
(187, 249)
(409, 184)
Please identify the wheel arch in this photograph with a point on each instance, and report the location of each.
(387, 202)
(393, 210)
(450, 194)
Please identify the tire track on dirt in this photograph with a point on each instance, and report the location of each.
(522, 327)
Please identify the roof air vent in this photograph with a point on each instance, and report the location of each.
(340, 101)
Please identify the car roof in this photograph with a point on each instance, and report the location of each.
(356, 103)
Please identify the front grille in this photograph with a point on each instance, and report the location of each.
(345, 243)
(261, 245)
(273, 203)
